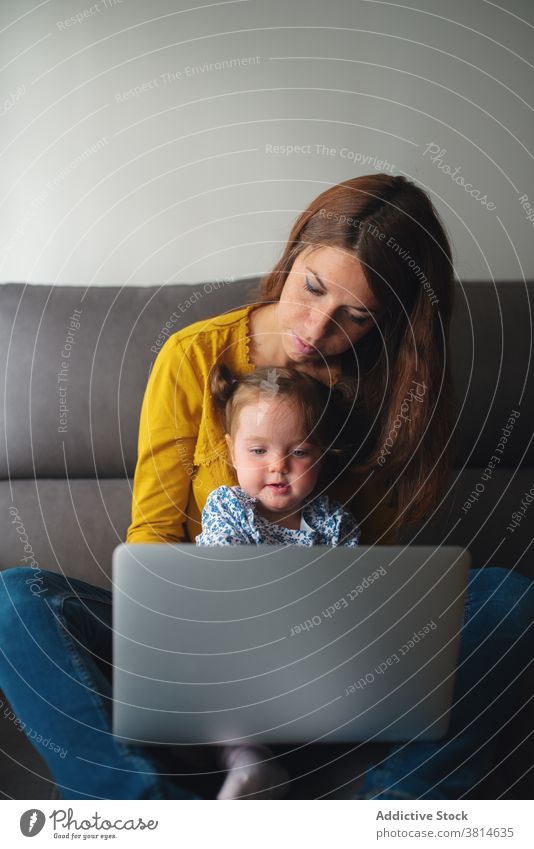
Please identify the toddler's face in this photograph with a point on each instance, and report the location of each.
(273, 459)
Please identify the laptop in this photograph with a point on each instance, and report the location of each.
(285, 644)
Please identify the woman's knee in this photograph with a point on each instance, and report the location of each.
(14, 583)
(21, 586)
(503, 597)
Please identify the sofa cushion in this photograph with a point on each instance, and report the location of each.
(479, 514)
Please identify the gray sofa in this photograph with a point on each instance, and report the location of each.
(67, 457)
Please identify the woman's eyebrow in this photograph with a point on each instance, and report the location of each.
(350, 306)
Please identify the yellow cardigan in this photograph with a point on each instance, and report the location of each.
(182, 451)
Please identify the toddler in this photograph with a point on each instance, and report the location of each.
(280, 425)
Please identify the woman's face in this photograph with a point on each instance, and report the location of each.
(325, 306)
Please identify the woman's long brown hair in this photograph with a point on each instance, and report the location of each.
(403, 411)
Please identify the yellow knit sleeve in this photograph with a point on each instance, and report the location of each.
(170, 420)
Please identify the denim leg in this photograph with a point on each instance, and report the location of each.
(55, 666)
(496, 647)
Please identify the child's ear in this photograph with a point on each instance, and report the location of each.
(229, 446)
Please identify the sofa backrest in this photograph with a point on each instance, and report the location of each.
(75, 363)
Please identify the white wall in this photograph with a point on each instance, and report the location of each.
(180, 182)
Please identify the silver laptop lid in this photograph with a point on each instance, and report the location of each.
(285, 644)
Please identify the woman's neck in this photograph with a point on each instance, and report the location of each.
(265, 348)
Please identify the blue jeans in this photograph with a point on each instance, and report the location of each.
(497, 647)
(55, 669)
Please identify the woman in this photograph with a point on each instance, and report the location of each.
(354, 281)
(363, 289)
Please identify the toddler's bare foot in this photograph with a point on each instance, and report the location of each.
(249, 772)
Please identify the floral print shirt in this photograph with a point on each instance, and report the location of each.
(230, 517)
